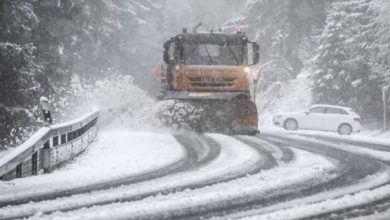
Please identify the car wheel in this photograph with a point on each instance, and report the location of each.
(345, 129)
(291, 124)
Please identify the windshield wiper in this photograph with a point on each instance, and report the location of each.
(231, 51)
(208, 54)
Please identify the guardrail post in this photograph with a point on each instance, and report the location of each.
(34, 164)
(44, 102)
(19, 171)
(46, 157)
(39, 153)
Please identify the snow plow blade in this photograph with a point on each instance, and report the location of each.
(232, 117)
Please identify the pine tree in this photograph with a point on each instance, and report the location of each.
(17, 88)
(345, 75)
(382, 52)
(18, 71)
(284, 30)
(44, 43)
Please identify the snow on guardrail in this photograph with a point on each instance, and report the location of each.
(49, 147)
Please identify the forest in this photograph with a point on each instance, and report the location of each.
(311, 51)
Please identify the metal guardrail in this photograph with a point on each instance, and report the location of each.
(49, 147)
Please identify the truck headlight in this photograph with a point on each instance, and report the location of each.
(247, 70)
(177, 67)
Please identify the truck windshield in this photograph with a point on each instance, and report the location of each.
(212, 54)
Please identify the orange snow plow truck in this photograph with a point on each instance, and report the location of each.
(206, 83)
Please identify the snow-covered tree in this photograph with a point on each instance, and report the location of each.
(91, 38)
(45, 43)
(383, 36)
(18, 71)
(345, 72)
(17, 87)
(382, 56)
(284, 30)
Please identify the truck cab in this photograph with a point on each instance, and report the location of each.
(206, 82)
(209, 62)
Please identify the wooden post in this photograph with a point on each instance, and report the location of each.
(384, 108)
(46, 150)
(44, 102)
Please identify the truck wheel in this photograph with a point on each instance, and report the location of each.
(291, 124)
(345, 129)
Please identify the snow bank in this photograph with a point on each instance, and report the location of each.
(116, 154)
(377, 134)
(374, 137)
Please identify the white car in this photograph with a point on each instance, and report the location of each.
(321, 117)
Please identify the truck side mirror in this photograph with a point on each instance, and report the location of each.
(253, 53)
(166, 52)
(169, 52)
(256, 54)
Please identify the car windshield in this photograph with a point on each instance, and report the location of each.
(212, 54)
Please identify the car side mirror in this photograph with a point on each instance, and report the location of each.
(307, 112)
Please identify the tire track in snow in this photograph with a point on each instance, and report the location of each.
(201, 144)
(229, 174)
(363, 167)
(350, 169)
(281, 153)
(197, 154)
(370, 209)
(191, 159)
(184, 205)
(344, 173)
(347, 140)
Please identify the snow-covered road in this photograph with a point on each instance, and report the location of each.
(276, 175)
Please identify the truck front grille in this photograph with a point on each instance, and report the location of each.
(212, 81)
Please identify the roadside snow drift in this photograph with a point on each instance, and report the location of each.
(116, 154)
